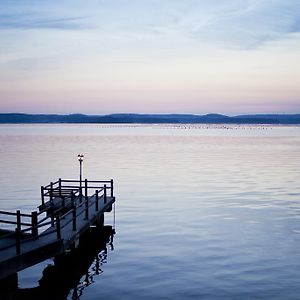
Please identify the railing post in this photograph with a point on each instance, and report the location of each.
(105, 194)
(111, 187)
(73, 212)
(34, 224)
(97, 200)
(58, 231)
(18, 241)
(19, 220)
(80, 195)
(86, 199)
(51, 191)
(42, 195)
(86, 188)
(59, 186)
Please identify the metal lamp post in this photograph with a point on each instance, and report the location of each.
(80, 159)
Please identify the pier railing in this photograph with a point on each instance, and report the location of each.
(65, 187)
(27, 226)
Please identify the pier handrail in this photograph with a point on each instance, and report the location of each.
(64, 187)
(10, 213)
(18, 222)
(22, 236)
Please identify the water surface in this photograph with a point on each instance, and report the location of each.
(203, 212)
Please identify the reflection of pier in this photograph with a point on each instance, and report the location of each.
(67, 211)
(70, 273)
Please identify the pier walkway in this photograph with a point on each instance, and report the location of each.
(68, 209)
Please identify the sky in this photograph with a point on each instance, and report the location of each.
(150, 56)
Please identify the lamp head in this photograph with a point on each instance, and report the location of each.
(80, 157)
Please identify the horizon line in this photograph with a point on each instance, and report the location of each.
(141, 113)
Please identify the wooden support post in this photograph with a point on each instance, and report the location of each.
(111, 187)
(18, 241)
(86, 188)
(97, 200)
(58, 230)
(97, 265)
(105, 194)
(86, 209)
(19, 220)
(34, 224)
(51, 213)
(42, 195)
(101, 220)
(51, 191)
(74, 218)
(59, 186)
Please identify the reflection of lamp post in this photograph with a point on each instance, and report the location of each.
(80, 159)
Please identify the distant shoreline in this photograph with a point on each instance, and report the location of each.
(273, 119)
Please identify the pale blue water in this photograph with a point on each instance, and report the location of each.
(203, 212)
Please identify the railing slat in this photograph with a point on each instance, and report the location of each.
(8, 213)
(8, 222)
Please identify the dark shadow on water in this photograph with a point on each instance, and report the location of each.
(72, 272)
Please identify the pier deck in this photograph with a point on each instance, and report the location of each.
(69, 210)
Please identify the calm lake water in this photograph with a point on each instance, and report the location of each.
(203, 212)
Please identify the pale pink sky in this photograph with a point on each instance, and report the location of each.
(150, 57)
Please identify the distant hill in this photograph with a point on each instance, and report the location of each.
(15, 118)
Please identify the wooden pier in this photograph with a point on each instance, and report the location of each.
(68, 209)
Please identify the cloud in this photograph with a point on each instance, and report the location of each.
(244, 24)
(250, 24)
(33, 21)
(239, 24)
